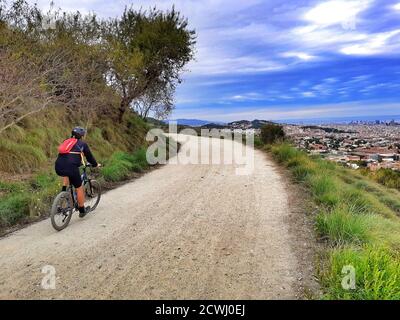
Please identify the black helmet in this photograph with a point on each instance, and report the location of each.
(78, 132)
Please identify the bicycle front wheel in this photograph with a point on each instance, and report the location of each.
(61, 211)
(92, 194)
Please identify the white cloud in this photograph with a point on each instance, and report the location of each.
(219, 61)
(299, 55)
(358, 79)
(396, 6)
(325, 38)
(377, 43)
(328, 31)
(331, 23)
(308, 94)
(331, 80)
(343, 12)
(251, 96)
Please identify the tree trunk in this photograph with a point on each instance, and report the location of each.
(122, 108)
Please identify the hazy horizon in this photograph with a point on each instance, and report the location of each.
(337, 120)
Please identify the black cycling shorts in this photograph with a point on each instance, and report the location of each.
(65, 169)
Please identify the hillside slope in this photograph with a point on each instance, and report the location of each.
(357, 219)
(28, 151)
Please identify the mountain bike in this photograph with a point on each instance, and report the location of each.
(66, 202)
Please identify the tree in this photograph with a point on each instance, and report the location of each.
(24, 90)
(89, 66)
(146, 49)
(157, 100)
(63, 66)
(271, 133)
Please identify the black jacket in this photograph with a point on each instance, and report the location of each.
(75, 159)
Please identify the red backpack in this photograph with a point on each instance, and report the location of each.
(67, 145)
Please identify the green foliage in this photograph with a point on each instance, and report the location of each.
(18, 157)
(377, 274)
(44, 180)
(121, 164)
(10, 187)
(147, 51)
(325, 189)
(342, 225)
(258, 142)
(117, 167)
(357, 217)
(271, 133)
(387, 177)
(139, 158)
(13, 208)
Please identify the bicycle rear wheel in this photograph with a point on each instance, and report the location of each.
(92, 194)
(61, 211)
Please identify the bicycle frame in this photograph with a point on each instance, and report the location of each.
(58, 210)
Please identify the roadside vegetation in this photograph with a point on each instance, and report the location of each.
(358, 220)
(386, 177)
(59, 70)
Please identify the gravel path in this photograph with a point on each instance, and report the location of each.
(179, 232)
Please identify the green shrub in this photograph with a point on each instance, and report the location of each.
(377, 274)
(355, 212)
(120, 164)
(116, 169)
(322, 183)
(10, 187)
(284, 152)
(44, 180)
(271, 133)
(13, 208)
(258, 142)
(20, 157)
(139, 158)
(342, 226)
(392, 202)
(388, 178)
(357, 199)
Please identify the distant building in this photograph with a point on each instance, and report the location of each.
(353, 158)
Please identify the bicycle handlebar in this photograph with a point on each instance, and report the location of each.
(89, 165)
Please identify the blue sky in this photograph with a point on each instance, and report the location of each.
(290, 59)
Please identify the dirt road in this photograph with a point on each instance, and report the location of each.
(182, 231)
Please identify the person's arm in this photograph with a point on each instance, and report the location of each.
(89, 156)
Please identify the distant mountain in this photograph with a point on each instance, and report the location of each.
(214, 126)
(155, 122)
(246, 124)
(193, 122)
(242, 124)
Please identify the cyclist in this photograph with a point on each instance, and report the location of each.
(67, 166)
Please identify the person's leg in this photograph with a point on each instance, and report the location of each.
(80, 195)
(76, 181)
(61, 168)
(65, 183)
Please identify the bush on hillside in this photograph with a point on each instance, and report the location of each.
(271, 133)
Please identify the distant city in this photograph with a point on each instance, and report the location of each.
(369, 144)
(365, 142)
(382, 119)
